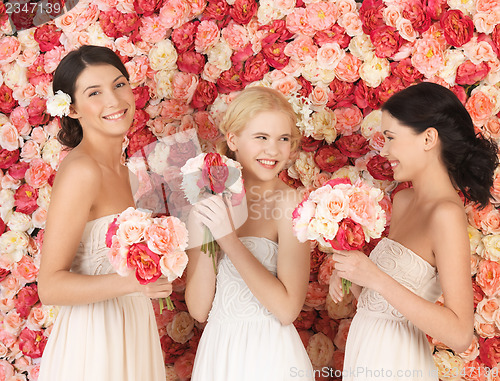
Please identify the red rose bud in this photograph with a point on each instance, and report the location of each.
(354, 145)
(380, 168)
(25, 199)
(458, 28)
(145, 262)
(214, 173)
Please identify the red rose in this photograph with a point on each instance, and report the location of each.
(371, 15)
(183, 366)
(230, 81)
(172, 349)
(278, 27)
(23, 19)
(183, 37)
(459, 91)
(47, 37)
(107, 20)
(388, 88)
(112, 229)
(32, 343)
(18, 170)
(140, 119)
(354, 145)
(140, 139)
(27, 297)
(341, 94)
(147, 7)
(309, 144)
(365, 96)
(458, 28)
(329, 159)
(145, 262)
(478, 293)
(335, 34)
(317, 258)
(380, 168)
(216, 9)
(419, 19)
(350, 236)
(3, 13)
(290, 181)
(495, 37)
(242, 11)
(436, 8)
(255, 68)
(326, 325)
(240, 56)
(489, 351)
(204, 95)
(386, 40)
(306, 88)
(191, 62)
(37, 68)
(469, 73)
(4, 273)
(180, 153)
(214, 173)
(275, 55)
(25, 199)
(305, 319)
(7, 101)
(37, 112)
(141, 95)
(8, 158)
(405, 70)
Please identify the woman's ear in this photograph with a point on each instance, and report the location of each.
(73, 113)
(231, 141)
(431, 138)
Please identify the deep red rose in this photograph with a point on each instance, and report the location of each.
(140, 119)
(240, 56)
(27, 297)
(17, 170)
(140, 139)
(3, 13)
(366, 96)
(389, 86)
(7, 101)
(242, 11)
(305, 319)
(335, 34)
(191, 62)
(309, 144)
(216, 10)
(8, 158)
(489, 351)
(306, 88)
(495, 37)
(469, 73)
(229, 81)
(204, 95)
(341, 95)
(107, 20)
(371, 15)
(32, 343)
(255, 68)
(350, 236)
(147, 7)
(400, 187)
(112, 229)
(183, 37)
(172, 349)
(145, 262)
(419, 19)
(37, 68)
(317, 258)
(290, 181)
(354, 145)
(275, 55)
(380, 168)
(37, 112)
(127, 23)
(25, 199)
(4, 273)
(180, 153)
(386, 40)
(214, 173)
(458, 28)
(278, 27)
(23, 19)
(406, 71)
(435, 8)
(47, 37)
(329, 159)
(141, 95)
(326, 325)
(459, 91)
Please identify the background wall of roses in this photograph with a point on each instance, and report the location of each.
(337, 60)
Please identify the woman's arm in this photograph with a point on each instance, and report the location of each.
(451, 323)
(77, 185)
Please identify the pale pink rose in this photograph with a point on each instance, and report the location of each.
(472, 352)
(19, 118)
(205, 125)
(485, 22)
(302, 49)
(346, 6)
(343, 309)
(377, 141)
(483, 327)
(207, 36)
(187, 123)
(44, 88)
(320, 350)
(138, 68)
(86, 16)
(30, 150)
(67, 21)
(296, 22)
(18, 377)
(8, 182)
(492, 127)
(348, 68)
(131, 226)
(184, 86)
(332, 204)
(486, 5)
(341, 336)
(36, 318)
(28, 57)
(174, 109)
(351, 23)
(319, 95)
(173, 264)
(33, 372)
(406, 30)
(6, 370)
(117, 256)
(294, 68)
(25, 269)
(487, 308)
(24, 93)
(165, 235)
(161, 127)
(39, 135)
(3, 352)
(391, 15)
(211, 72)
(10, 48)
(320, 179)
(286, 85)
(152, 29)
(6, 304)
(316, 295)
(488, 277)
(348, 119)
(13, 322)
(490, 223)
(22, 363)
(126, 47)
(329, 55)
(321, 15)
(236, 36)
(480, 108)
(180, 329)
(175, 13)
(39, 217)
(38, 173)
(427, 57)
(7, 338)
(9, 137)
(479, 51)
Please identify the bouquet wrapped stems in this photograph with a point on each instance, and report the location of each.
(210, 247)
(169, 304)
(346, 286)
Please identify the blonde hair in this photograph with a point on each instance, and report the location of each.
(249, 103)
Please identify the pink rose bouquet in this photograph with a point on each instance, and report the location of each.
(151, 247)
(210, 174)
(341, 215)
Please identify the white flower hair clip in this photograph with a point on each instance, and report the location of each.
(58, 104)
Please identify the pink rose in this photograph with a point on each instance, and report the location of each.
(341, 310)
(320, 350)
(183, 37)
(38, 173)
(350, 236)
(335, 34)
(25, 199)
(25, 269)
(296, 22)
(191, 62)
(321, 15)
(206, 127)
(427, 56)
(47, 36)
(145, 262)
(6, 370)
(36, 318)
(302, 49)
(184, 86)
(32, 343)
(112, 229)
(329, 159)
(386, 40)
(10, 48)
(388, 87)
(147, 7)
(141, 95)
(406, 71)
(141, 138)
(242, 11)
(341, 337)
(18, 170)
(489, 352)
(166, 235)
(487, 308)
(8, 158)
(316, 295)
(349, 119)
(436, 8)
(458, 28)
(37, 111)
(183, 366)
(488, 277)
(325, 270)
(348, 68)
(480, 108)
(326, 325)
(207, 35)
(469, 73)
(7, 101)
(341, 94)
(418, 17)
(353, 146)
(27, 297)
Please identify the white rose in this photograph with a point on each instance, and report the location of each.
(361, 46)
(324, 122)
(163, 56)
(452, 60)
(13, 245)
(6, 202)
(27, 40)
(51, 151)
(491, 250)
(98, 37)
(306, 167)
(43, 199)
(374, 70)
(371, 123)
(220, 55)
(20, 222)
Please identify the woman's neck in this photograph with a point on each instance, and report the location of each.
(107, 154)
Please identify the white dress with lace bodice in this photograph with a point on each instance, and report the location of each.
(112, 340)
(242, 340)
(382, 343)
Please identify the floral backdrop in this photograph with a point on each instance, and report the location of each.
(336, 60)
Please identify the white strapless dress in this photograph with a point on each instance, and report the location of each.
(113, 340)
(242, 340)
(382, 343)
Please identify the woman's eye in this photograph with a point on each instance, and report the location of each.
(285, 139)
(121, 84)
(93, 93)
(261, 137)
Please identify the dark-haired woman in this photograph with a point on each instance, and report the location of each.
(430, 141)
(106, 328)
